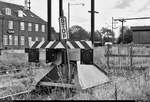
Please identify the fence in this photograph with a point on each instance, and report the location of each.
(127, 55)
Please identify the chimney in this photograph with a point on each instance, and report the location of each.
(26, 4)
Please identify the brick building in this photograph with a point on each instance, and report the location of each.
(19, 26)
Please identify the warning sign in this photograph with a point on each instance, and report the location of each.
(63, 27)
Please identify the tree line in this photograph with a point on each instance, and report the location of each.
(77, 33)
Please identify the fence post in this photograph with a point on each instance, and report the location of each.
(131, 55)
(119, 58)
(116, 92)
(108, 54)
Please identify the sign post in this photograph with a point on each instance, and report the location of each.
(63, 28)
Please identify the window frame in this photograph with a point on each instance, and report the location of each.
(10, 24)
(8, 11)
(22, 40)
(36, 27)
(20, 13)
(29, 26)
(43, 28)
(22, 26)
(5, 40)
(16, 41)
(10, 40)
(36, 38)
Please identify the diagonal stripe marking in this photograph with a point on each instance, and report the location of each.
(74, 44)
(84, 43)
(50, 44)
(70, 45)
(35, 44)
(45, 44)
(40, 44)
(79, 44)
(54, 44)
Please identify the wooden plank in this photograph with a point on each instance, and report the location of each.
(120, 55)
(133, 45)
(57, 84)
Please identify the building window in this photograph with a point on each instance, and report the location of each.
(8, 11)
(36, 39)
(43, 28)
(36, 27)
(10, 39)
(5, 39)
(0, 12)
(29, 39)
(16, 40)
(10, 24)
(29, 26)
(22, 42)
(22, 26)
(43, 39)
(20, 13)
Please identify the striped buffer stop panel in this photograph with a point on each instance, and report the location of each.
(62, 45)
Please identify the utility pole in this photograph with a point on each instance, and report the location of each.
(60, 13)
(68, 17)
(60, 8)
(29, 5)
(93, 20)
(49, 20)
(122, 21)
(112, 24)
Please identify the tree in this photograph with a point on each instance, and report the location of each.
(78, 33)
(97, 36)
(107, 35)
(126, 37)
(54, 35)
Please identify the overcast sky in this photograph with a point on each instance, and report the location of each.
(106, 8)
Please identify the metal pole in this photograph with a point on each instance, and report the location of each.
(68, 19)
(60, 14)
(92, 20)
(60, 8)
(49, 20)
(122, 32)
(112, 24)
(68, 15)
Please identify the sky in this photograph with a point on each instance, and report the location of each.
(106, 8)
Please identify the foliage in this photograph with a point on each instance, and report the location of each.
(78, 33)
(54, 34)
(107, 35)
(126, 37)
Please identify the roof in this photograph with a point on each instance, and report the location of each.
(29, 16)
(140, 28)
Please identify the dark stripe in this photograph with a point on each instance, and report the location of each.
(102, 70)
(54, 44)
(65, 44)
(45, 44)
(36, 44)
(74, 44)
(85, 44)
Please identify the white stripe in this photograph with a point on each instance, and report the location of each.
(89, 43)
(31, 43)
(40, 44)
(70, 45)
(79, 44)
(50, 44)
(59, 45)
